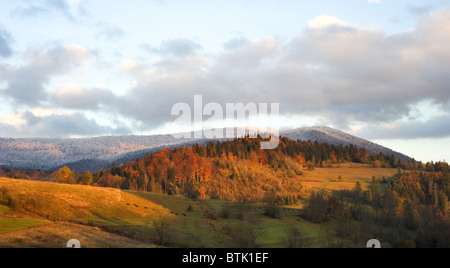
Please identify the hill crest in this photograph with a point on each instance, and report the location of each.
(99, 152)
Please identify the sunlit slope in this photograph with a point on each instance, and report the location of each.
(81, 204)
(343, 178)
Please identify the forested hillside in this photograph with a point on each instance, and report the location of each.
(232, 170)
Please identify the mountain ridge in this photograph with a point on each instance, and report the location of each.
(84, 154)
(337, 137)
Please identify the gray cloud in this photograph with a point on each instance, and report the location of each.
(109, 31)
(5, 47)
(44, 7)
(79, 98)
(8, 131)
(247, 54)
(437, 127)
(26, 84)
(59, 126)
(419, 10)
(173, 47)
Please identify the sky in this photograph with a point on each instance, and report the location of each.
(378, 69)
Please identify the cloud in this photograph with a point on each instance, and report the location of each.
(5, 40)
(80, 98)
(109, 31)
(58, 125)
(179, 47)
(26, 83)
(149, 101)
(247, 53)
(342, 73)
(436, 127)
(8, 131)
(419, 10)
(37, 8)
(325, 21)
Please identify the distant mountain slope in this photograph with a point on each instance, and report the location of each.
(336, 137)
(93, 153)
(47, 154)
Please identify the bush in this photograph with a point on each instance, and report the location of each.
(192, 191)
(225, 212)
(22, 203)
(345, 228)
(296, 237)
(273, 212)
(210, 215)
(319, 207)
(249, 231)
(5, 198)
(161, 226)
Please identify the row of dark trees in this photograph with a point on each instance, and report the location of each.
(317, 153)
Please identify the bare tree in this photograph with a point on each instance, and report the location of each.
(161, 226)
(249, 231)
(296, 237)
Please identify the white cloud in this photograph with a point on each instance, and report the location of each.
(14, 119)
(325, 21)
(45, 112)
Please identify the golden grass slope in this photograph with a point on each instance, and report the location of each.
(327, 179)
(56, 235)
(82, 204)
(48, 214)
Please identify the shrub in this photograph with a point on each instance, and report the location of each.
(273, 211)
(249, 231)
(225, 212)
(296, 237)
(319, 207)
(5, 198)
(210, 215)
(161, 226)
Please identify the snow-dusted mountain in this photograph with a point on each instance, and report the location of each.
(336, 137)
(47, 154)
(93, 153)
